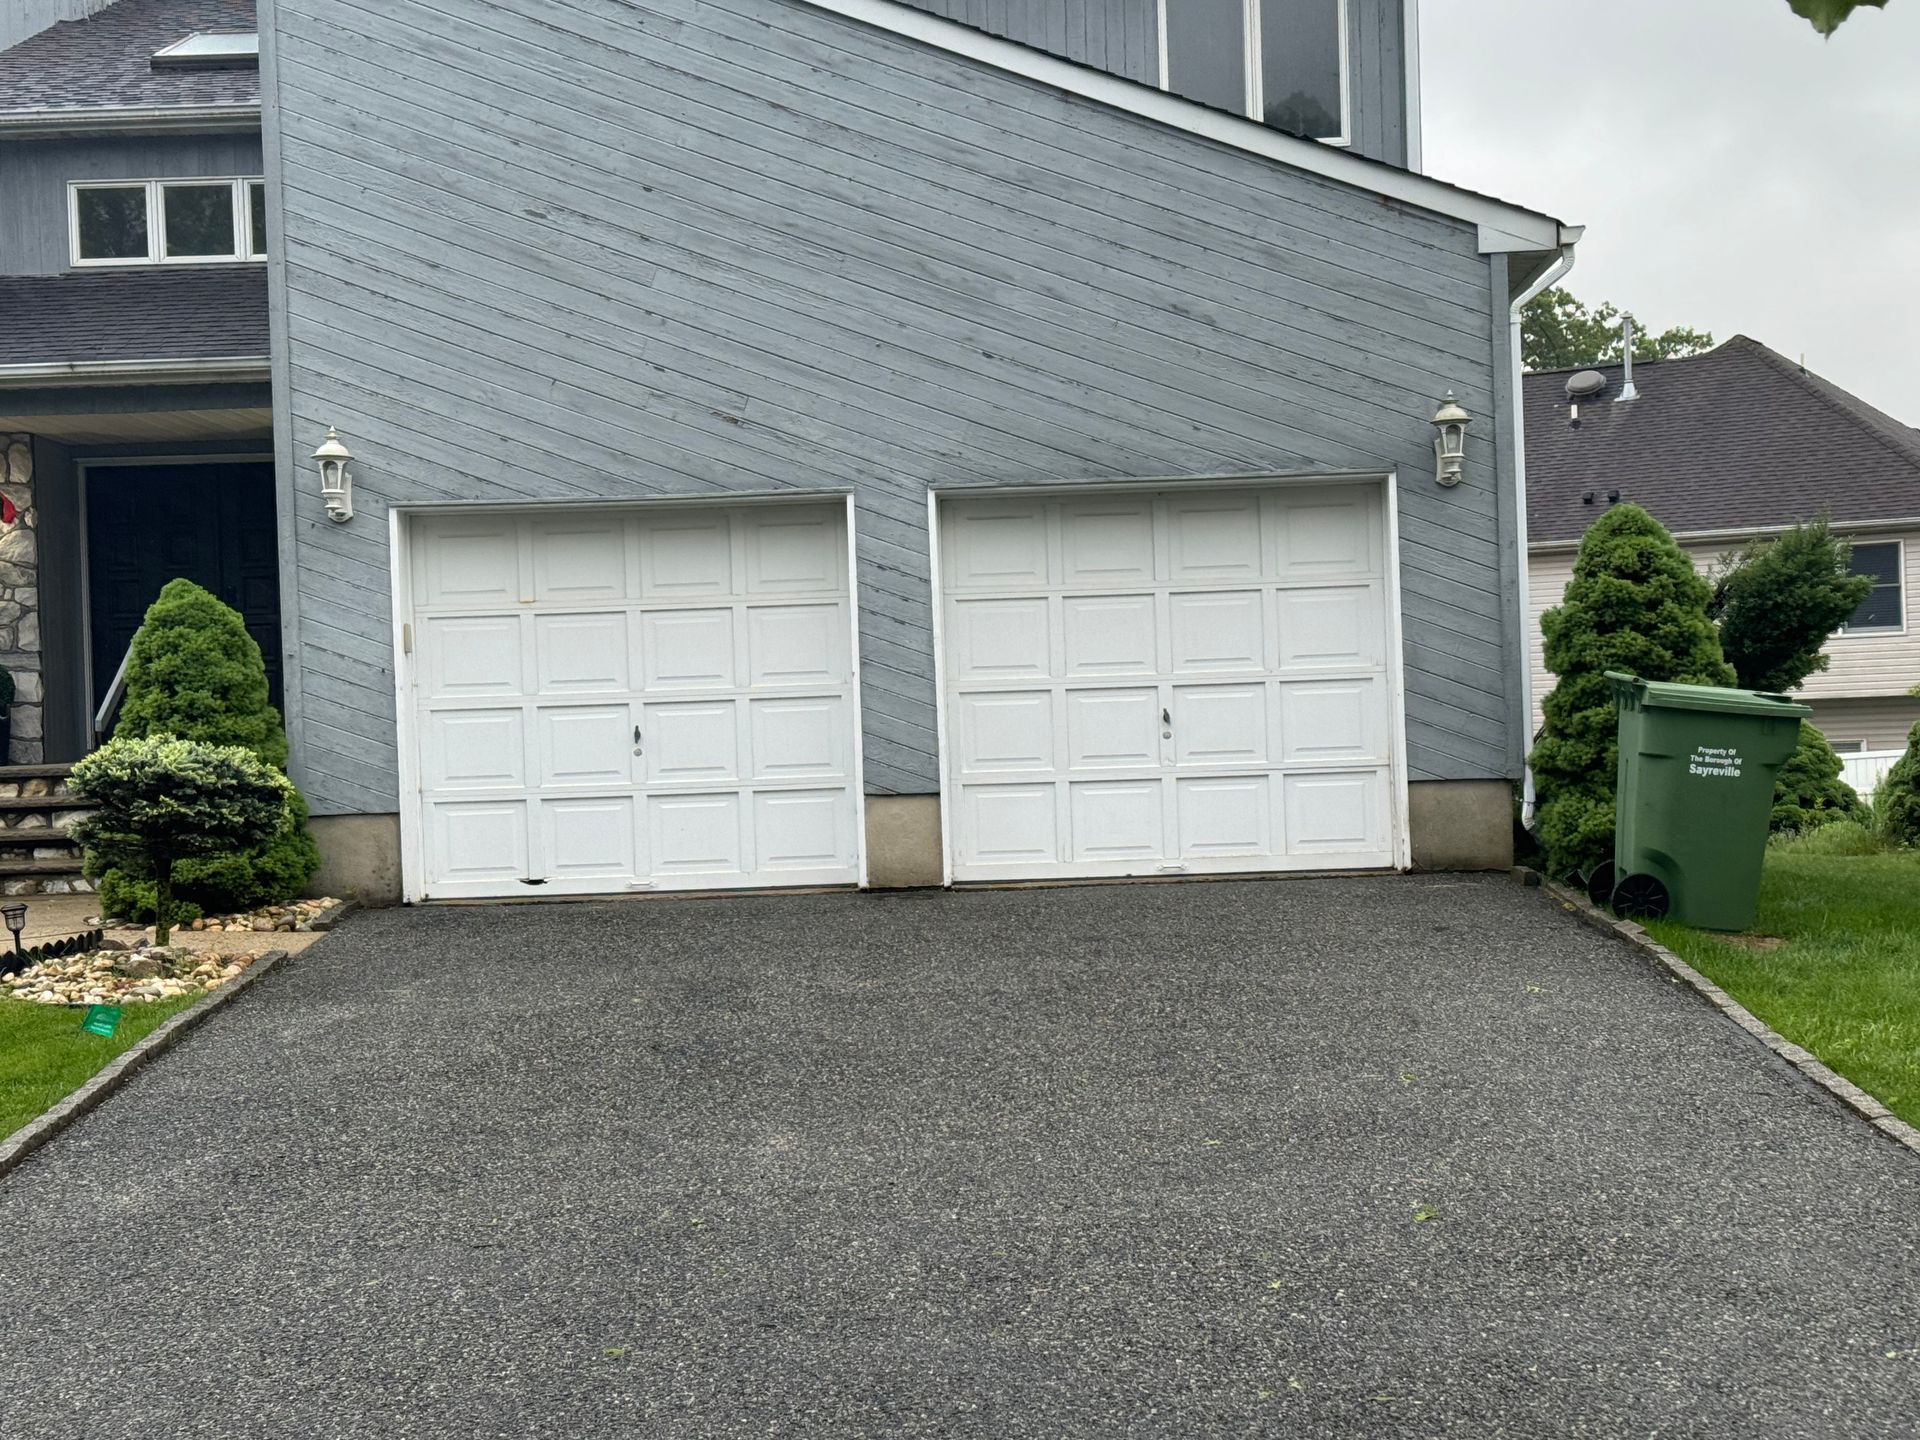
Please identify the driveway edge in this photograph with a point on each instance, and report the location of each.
(16, 1147)
(1803, 1060)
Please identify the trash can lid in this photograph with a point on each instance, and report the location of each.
(1669, 695)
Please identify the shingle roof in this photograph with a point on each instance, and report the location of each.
(1738, 438)
(106, 60)
(209, 312)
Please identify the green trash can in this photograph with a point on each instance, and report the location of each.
(1697, 771)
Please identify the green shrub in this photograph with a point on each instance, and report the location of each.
(1779, 602)
(1809, 792)
(1634, 604)
(1896, 804)
(195, 673)
(161, 801)
(1841, 837)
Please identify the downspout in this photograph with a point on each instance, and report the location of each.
(1555, 273)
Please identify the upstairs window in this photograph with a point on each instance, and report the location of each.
(1884, 608)
(1282, 62)
(168, 222)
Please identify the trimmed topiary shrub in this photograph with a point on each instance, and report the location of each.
(1779, 602)
(1810, 792)
(1896, 804)
(1635, 605)
(196, 674)
(163, 801)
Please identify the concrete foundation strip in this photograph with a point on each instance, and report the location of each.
(16, 1147)
(1837, 1085)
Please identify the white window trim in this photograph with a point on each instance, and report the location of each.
(1887, 632)
(238, 185)
(1253, 14)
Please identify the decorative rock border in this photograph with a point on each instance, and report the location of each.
(16, 1147)
(1835, 1084)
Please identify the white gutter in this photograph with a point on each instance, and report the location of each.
(1410, 49)
(109, 119)
(244, 368)
(1503, 227)
(1552, 276)
(1742, 532)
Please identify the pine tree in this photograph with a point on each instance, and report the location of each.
(1634, 605)
(1810, 792)
(196, 674)
(1779, 602)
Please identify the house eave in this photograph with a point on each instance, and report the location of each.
(1502, 228)
(242, 369)
(128, 119)
(1738, 533)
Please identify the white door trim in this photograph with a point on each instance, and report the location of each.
(399, 570)
(1399, 806)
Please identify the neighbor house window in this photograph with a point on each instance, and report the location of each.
(163, 222)
(1883, 609)
(1279, 61)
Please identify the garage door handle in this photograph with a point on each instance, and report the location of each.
(1165, 718)
(637, 742)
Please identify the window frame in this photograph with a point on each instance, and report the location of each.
(239, 187)
(1899, 584)
(1253, 13)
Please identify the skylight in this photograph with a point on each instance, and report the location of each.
(208, 48)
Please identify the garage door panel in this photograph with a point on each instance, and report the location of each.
(1113, 729)
(798, 739)
(687, 649)
(686, 555)
(590, 839)
(1335, 626)
(668, 702)
(472, 655)
(584, 745)
(1220, 724)
(477, 750)
(581, 559)
(1225, 816)
(1217, 631)
(796, 645)
(1118, 819)
(696, 835)
(1108, 543)
(801, 830)
(1005, 731)
(1192, 680)
(582, 654)
(1000, 640)
(692, 743)
(1109, 635)
(1215, 538)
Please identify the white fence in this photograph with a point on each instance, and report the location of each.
(1865, 770)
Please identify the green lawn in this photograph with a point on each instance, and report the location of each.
(1846, 985)
(45, 1055)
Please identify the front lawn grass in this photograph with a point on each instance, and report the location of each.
(45, 1055)
(1846, 984)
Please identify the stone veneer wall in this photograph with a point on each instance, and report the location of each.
(20, 604)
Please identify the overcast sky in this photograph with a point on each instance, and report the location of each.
(1735, 171)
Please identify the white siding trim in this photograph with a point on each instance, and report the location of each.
(1502, 227)
(1401, 819)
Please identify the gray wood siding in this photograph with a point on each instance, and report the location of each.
(21, 19)
(579, 249)
(34, 175)
(1122, 37)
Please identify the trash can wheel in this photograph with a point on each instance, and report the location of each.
(1600, 883)
(1641, 897)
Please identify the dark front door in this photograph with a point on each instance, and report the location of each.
(148, 524)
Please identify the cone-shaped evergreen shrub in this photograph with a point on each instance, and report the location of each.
(197, 674)
(1810, 792)
(1896, 804)
(1635, 605)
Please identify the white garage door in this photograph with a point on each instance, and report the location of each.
(606, 700)
(1165, 683)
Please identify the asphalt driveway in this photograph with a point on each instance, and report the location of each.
(1385, 1157)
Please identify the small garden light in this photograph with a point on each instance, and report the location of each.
(16, 917)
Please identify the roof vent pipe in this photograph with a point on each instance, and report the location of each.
(1627, 392)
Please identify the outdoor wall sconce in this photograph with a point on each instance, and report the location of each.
(336, 481)
(1450, 445)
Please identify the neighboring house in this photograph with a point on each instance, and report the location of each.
(1722, 448)
(860, 442)
(135, 401)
